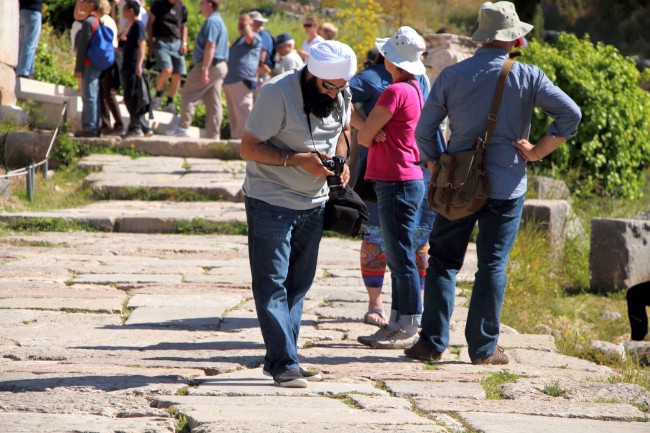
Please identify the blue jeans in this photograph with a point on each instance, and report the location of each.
(498, 224)
(30, 30)
(283, 250)
(398, 204)
(90, 98)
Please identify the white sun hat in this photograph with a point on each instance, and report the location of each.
(404, 48)
(499, 22)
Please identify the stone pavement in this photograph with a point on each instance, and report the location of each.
(128, 329)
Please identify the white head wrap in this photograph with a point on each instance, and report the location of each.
(332, 60)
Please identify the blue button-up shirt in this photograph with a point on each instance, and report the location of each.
(464, 92)
(213, 30)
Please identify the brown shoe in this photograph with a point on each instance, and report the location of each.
(423, 350)
(497, 358)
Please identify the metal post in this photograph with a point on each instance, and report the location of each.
(30, 182)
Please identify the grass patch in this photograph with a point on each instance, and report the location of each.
(430, 365)
(63, 190)
(554, 390)
(181, 420)
(157, 194)
(631, 371)
(183, 391)
(203, 227)
(610, 400)
(493, 381)
(46, 225)
(344, 398)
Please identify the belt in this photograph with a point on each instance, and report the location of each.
(215, 62)
(167, 38)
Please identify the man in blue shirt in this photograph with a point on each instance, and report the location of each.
(241, 81)
(205, 79)
(464, 92)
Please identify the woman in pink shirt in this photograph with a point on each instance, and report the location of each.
(392, 165)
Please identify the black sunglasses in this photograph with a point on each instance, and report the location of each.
(307, 25)
(330, 86)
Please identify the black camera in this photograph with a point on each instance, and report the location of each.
(336, 165)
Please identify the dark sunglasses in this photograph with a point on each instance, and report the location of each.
(308, 25)
(330, 86)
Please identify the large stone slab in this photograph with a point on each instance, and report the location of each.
(557, 407)
(514, 423)
(21, 422)
(620, 253)
(273, 411)
(410, 388)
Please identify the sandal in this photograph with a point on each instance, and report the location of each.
(369, 319)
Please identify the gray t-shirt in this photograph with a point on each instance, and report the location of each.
(279, 119)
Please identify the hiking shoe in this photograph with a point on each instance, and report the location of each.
(497, 358)
(423, 350)
(311, 376)
(157, 103)
(400, 339)
(290, 379)
(170, 108)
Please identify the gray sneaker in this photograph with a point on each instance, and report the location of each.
(290, 379)
(380, 335)
(399, 339)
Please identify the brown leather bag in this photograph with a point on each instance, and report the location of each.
(459, 184)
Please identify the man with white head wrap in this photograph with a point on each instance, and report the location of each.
(299, 119)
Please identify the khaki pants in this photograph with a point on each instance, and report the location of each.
(239, 100)
(195, 90)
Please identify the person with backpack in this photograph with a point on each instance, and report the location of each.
(95, 53)
(109, 81)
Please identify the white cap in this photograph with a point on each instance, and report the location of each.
(332, 60)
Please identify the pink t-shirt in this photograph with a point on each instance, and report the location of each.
(395, 158)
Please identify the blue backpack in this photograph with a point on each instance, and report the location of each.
(101, 52)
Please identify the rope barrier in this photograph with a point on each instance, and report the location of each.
(30, 171)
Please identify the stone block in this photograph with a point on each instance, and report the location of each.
(547, 188)
(549, 215)
(9, 26)
(23, 147)
(620, 253)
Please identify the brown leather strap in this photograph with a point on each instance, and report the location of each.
(496, 100)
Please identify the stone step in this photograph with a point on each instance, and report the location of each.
(140, 216)
(179, 179)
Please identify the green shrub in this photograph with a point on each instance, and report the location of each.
(54, 61)
(612, 147)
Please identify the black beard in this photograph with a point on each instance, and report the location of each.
(320, 104)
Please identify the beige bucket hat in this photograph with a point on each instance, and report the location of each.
(499, 22)
(404, 49)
